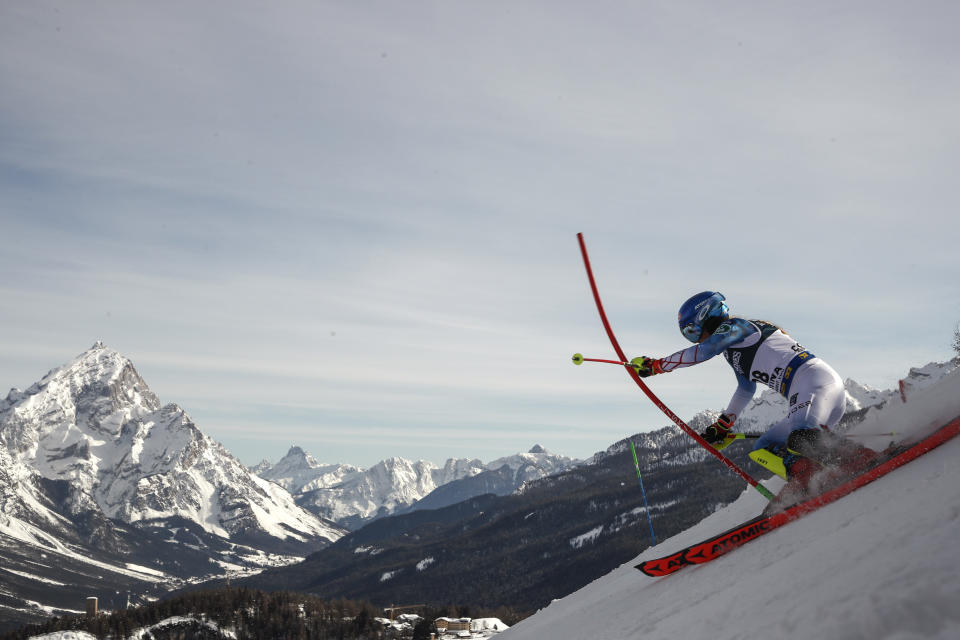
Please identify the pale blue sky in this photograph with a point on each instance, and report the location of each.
(351, 226)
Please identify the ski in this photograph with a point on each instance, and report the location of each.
(718, 545)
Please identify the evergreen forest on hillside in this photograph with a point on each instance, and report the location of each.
(250, 614)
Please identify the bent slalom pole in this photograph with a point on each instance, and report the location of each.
(643, 387)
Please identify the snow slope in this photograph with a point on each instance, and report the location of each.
(880, 563)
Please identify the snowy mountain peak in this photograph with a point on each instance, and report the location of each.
(14, 395)
(95, 424)
(860, 395)
(297, 458)
(89, 397)
(537, 463)
(97, 362)
(299, 471)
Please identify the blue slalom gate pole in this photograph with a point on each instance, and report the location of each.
(646, 507)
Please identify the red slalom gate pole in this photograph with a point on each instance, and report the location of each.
(643, 387)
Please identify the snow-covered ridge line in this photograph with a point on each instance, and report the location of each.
(340, 491)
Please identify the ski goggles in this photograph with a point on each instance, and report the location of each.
(692, 332)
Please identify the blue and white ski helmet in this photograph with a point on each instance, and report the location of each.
(704, 309)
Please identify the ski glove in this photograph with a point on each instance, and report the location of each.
(716, 434)
(645, 366)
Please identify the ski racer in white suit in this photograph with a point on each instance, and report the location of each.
(761, 352)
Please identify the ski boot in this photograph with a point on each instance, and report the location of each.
(804, 475)
(848, 458)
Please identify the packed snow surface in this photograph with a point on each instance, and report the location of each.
(880, 563)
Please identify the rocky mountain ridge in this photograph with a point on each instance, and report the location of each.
(353, 496)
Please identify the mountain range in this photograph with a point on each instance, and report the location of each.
(353, 496)
(105, 491)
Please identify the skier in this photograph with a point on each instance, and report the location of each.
(801, 444)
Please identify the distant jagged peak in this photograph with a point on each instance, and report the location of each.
(395, 463)
(537, 457)
(297, 457)
(703, 419)
(261, 467)
(296, 452)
